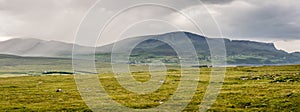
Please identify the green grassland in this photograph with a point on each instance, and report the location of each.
(15, 65)
(273, 88)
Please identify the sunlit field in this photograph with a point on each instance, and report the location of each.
(274, 88)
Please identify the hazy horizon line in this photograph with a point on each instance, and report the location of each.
(73, 42)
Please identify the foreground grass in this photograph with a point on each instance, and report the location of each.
(39, 94)
(244, 89)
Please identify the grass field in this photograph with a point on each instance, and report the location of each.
(274, 88)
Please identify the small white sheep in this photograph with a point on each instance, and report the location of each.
(59, 90)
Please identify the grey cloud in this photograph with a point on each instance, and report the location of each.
(276, 19)
(216, 1)
(241, 19)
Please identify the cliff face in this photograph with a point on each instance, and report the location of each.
(254, 45)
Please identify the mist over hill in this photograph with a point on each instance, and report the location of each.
(37, 48)
(149, 47)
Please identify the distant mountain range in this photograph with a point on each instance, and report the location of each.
(238, 51)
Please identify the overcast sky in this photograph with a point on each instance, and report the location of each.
(276, 21)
